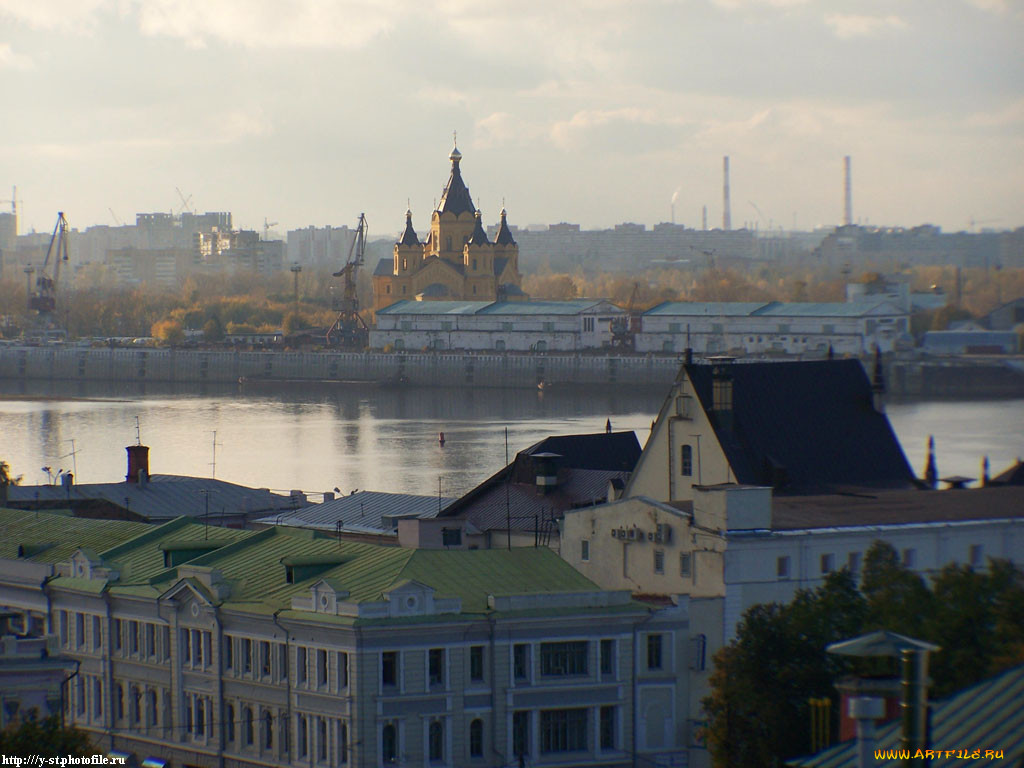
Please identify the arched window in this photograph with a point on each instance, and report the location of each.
(247, 724)
(435, 740)
(476, 738)
(389, 743)
(268, 730)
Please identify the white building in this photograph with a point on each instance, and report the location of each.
(520, 326)
(790, 328)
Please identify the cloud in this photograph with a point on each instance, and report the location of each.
(733, 5)
(998, 6)
(627, 129)
(9, 59)
(65, 15)
(1008, 116)
(504, 129)
(847, 26)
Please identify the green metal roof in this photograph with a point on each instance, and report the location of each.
(570, 307)
(52, 537)
(433, 308)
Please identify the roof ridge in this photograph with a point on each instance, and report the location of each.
(147, 536)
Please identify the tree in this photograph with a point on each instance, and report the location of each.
(46, 738)
(758, 708)
(897, 598)
(169, 332)
(212, 330)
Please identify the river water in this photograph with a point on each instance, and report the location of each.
(320, 438)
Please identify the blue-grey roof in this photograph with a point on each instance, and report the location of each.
(361, 511)
(773, 308)
(989, 715)
(162, 497)
(406, 307)
(691, 308)
(572, 307)
(384, 267)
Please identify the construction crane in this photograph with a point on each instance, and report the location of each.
(624, 327)
(185, 202)
(44, 299)
(349, 330)
(266, 227)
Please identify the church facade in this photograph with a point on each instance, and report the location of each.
(457, 262)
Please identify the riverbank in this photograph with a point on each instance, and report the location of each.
(911, 377)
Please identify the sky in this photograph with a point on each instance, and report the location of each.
(596, 112)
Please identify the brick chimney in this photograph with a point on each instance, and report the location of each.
(138, 462)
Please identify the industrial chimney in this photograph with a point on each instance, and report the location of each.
(726, 208)
(847, 193)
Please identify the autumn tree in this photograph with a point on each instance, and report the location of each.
(44, 738)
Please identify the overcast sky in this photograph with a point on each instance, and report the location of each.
(311, 111)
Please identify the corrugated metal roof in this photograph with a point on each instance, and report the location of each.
(63, 534)
(828, 309)
(570, 307)
(707, 308)
(434, 308)
(989, 715)
(362, 510)
(162, 497)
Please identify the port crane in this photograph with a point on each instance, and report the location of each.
(44, 299)
(624, 327)
(349, 330)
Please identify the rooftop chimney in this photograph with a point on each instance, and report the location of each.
(865, 711)
(545, 467)
(726, 208)
(138, 461)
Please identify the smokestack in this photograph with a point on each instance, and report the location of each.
(138, 463)
(704, 218)
(847, 193)
(726, 209)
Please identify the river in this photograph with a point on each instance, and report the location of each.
(317, 438)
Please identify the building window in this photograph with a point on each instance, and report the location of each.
(563, 730)
(229, 722)
(79, 630)
(435, 741)
(247, 725)
(654, 660)
(300, 665)
(321, 739)
(909, 558)
(97, 633)
(150, 640)
(698, 652)
(451, 537)
(558, 659)
(343, 743)
(520, 733)
(853, 562)
(63, 628)
(585, 550)
(476, 663)
(828, 563)
(133, 637)
(435, 664)
(782, 567)
(607, 657)
(303, 744)
(200, 717)
(246, 656)
(282, 670)
(686, 452)
(342, 670)
(685, 564)
(151, 708)
(389, 668)
(265, 658)
(975, 555)
(389, 742)
(97, 697)
(607, 727)
(268, 730)
(321, 668)
(521, 661)
(659, 561)
(474, 269)
(476, 738)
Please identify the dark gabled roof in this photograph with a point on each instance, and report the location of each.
(504, 236)
(455, 198)
(805, 427)
(409, 236)
(586, 464)
(479, 237)
(993, 710)
(1013, 475)
(499, 264)
(384, 267)
(435, 290)
(612, 451)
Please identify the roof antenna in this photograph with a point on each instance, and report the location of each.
(138, 434)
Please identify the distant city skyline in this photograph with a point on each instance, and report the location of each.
(309, 112)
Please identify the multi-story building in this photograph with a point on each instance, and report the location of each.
(457, 262)
(538, 326)
(323, 247)
(219, 647)
(774, 327)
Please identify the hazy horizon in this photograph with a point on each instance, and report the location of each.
(310, 112)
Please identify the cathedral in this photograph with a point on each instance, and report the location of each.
(457, 262)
